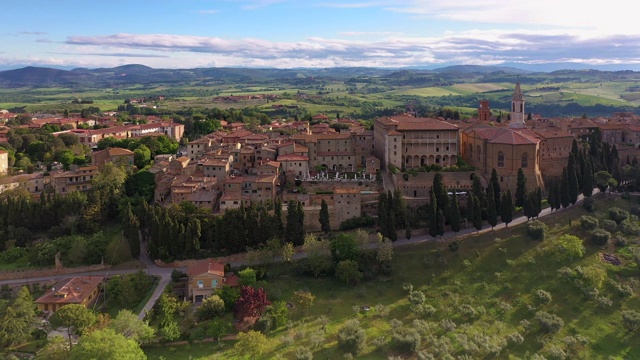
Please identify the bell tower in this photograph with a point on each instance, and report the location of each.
(484, 112)
(517, 108)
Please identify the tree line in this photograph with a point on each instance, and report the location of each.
(182, 231)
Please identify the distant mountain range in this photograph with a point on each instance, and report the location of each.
(144, 75)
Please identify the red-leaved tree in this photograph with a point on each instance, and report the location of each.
(251, 303)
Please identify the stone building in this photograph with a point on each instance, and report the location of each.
(415, 142)
(505, 149)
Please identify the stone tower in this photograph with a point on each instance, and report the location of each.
(517, 109)
(484, 112)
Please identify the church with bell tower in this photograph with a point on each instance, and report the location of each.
(504, 148)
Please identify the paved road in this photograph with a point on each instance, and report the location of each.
(152, 269)
(165, 273)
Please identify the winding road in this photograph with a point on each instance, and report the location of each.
(165, 273)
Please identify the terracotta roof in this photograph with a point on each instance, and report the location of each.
(237, 134)
(206, 266)
(513, 138)
(71, 291)
(274, 164)
(409, 123)
(549, 133)
(292, 157)
(202, 196)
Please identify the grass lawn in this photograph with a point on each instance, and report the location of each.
(495, 274)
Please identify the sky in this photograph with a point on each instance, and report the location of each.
(318, 33)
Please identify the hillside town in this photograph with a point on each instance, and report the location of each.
(235, 167)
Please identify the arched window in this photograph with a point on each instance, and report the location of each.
(478, 152)
(500, 159)
(525, 161)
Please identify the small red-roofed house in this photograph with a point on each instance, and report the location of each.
(82, 290)
(207, 276)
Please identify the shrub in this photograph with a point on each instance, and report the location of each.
(357, 222)
(304, 353)
(515, 338)
(447, 325)
(620, 241)
(454, 246)
(600, 237)
(265, 324)
(589, 204)
(467, 310)
(609, 225)
(177, 275)
(556, 353)
(604, 302)
(631, 320)
(568, 247)
(618, 215)
(424, 310)
(588, 222)
(537, 230)
(635, 210)
(351, 337)
(543, 297)
(417, 297)
(630, 228)
(211, 307)
(406, 339)
(549, 322)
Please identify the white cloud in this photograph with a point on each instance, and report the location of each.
(209, 12)
(469, 47)
(613, 16)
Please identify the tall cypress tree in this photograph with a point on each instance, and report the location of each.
(455, 218)
(433, 214)
(300, 218)
(550, 196)
(277, 212)
(440, 221)
(528, 207)
(477, 213)
(557, 196)
(383, 211)
(470, 208)
(324, 217)
(441, 192)
(587, 181)
(565, 198)
(537, 205)
(478, 191)
(572, 177)
(294, 233)
(496, 187)
(492, 212)
(521, 188)
(392, 233)
(399, 208)
(506, 208)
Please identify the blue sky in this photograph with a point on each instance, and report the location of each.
(310, 33)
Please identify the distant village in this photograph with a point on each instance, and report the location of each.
(347, 168)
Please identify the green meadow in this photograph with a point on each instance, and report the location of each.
(483, 298)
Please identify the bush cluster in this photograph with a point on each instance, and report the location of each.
(618, 215)
(537, 230)
(600, 237)
(588, 222)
